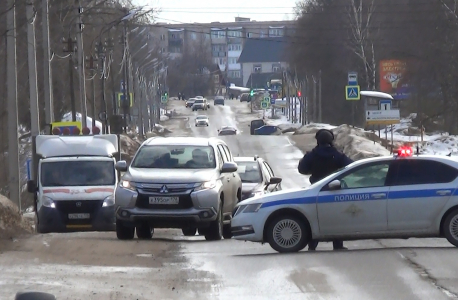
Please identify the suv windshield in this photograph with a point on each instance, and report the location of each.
(77, 173)
(199, 101)
(201, 117)
(249, 171)
(175, 157)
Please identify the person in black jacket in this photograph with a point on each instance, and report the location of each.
(322, 161)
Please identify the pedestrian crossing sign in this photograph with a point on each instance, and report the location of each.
(352, 92)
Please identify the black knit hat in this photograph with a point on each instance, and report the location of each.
(324, 137)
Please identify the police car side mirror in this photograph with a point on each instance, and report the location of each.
(334, 185)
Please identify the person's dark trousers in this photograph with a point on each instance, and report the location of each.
(337, 244)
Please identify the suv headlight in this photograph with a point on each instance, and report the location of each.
(129, 185)
(48, 202)
(207, 185)
(108, 201)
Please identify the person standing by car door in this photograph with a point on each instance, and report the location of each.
(322, 161)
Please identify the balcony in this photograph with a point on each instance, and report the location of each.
(218, 40)
(176, 42)
(234, 40)
(218, 54)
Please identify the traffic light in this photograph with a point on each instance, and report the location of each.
(252, 93)
(299, 93)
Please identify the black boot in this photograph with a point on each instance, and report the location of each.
(312, 245)
(338, 245)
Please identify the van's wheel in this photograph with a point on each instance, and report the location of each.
(190, 231)
(144, 231)
(215, 231)
(287, 233)
(124, 232)
(450, 227)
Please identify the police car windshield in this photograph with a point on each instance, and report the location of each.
(249, 171)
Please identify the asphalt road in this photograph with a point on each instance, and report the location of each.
(97, 266)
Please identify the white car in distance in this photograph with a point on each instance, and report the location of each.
(202, 120)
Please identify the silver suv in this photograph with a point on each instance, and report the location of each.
(178, 182)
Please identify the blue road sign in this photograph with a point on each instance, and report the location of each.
(352, 92)
(29, 169)
(265, 105)
(352, 78)
(385, 104)
(272, 101)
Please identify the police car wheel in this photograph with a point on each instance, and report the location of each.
(450, 228)
(287, 233)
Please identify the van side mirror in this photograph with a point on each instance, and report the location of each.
(121, 166)
(32, 186)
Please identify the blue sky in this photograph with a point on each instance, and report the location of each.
(205, 11)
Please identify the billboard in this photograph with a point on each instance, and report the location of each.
(394, 78)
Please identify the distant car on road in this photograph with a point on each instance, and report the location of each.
(257, 176)
(219, 100)
(199, 104)
(202, 120)
(227, 130)
(190, 102)
(178, 182)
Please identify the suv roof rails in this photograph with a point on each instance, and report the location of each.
(256, 157)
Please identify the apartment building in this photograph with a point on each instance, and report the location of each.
(225, 41)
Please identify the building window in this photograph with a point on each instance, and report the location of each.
(273, 32)
(234, 47)
(257, 69)
(234, 74)
(218, 34)
(262, 33)
(193, 35)
(175, 49)
(232, 60)
(249, 34)
(276, 68)
(234, 34)
(162, 37)
(218, 48)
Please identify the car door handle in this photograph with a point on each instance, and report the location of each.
(228, 179)
(444, 192)
(379, 195)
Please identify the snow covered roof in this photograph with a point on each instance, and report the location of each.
(80, 145)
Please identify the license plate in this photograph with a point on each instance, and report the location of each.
(164, 200)
(79, 216)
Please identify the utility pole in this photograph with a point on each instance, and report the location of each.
(315, 106)
(126, 103)
(319, 99)
(33, 84)
(11, 81)
(32, 62)
(80, 54)
(92, 67)
(71, 50)
(101, 52)
(48, 94)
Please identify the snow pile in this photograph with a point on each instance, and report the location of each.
(11, 220)
(357, 143)
(129, 146)
(441, 146)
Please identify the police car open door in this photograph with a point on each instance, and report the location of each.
(359, 205)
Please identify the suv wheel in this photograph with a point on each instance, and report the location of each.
(124, 232)
(189, 231)
(144, 231)
(215, 231)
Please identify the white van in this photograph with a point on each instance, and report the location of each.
(75, 183)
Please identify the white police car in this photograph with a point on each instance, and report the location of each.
(399, 196)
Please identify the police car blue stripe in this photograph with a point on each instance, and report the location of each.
(393, 195)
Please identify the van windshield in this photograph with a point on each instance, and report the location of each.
(77, 173)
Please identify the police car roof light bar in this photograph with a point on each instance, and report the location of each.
(405, 151)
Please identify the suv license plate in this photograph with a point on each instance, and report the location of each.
(164, 200)
(79, 216)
